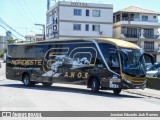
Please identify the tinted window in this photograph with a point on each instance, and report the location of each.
(30, 51)
(77, 27)
(96, 13)
(77, 12)
(111, 56)
(87, 27)
(87, 12)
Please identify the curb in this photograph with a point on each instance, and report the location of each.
(142, 94)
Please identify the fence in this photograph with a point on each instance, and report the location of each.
(153, 83)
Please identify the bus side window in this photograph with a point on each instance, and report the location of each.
(100, 63)
(113, 62)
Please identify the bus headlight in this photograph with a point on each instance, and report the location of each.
(127, 81)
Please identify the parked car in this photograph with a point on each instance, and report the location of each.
(157, 75)
(148, 66)
(153, 67)
(153, 73)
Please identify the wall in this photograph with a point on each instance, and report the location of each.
(66, 13)
(117, 32)
(66, 29)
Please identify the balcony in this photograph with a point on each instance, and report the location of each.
(131, 35)
(151, 36)
(137, 19)
(140, 36)
(136, 22)
(151, 49)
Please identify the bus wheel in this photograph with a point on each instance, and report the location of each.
(26, 80)
(117, 91)
(45, 84)
(95, 85)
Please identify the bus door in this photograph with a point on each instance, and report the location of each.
(113, 61)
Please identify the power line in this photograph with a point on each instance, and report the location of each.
(29, 10)
(21, 5)
(7, 30)
(27, 20)
(3, 22)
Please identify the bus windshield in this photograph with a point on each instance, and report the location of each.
(133, 63)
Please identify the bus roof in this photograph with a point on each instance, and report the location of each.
(117, 42)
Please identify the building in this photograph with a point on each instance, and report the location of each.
(7, 37)
(139, 26)
(2, 42)
(34, 38)
(75, 19)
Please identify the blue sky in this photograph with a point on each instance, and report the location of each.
(23, 14)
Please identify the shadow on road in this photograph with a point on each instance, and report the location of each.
(71, 90)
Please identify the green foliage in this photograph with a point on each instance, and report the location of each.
(5, 50)
(1, 54)
(11, 41)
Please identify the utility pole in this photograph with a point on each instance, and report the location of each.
(43, 30)
(139, 34)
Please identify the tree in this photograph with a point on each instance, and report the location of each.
(10, 41)
(1, 54)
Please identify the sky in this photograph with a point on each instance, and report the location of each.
(23, 14)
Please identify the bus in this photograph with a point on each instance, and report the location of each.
(98, 63)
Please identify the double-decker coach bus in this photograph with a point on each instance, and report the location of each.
(100, 63)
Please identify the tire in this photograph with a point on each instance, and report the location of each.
(95, 86)
(26, 81)
(45, 84)
(117, 91)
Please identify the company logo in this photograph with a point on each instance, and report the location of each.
(26, 62)
(76, 75)
(6, 114)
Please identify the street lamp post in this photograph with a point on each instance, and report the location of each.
(43, 30)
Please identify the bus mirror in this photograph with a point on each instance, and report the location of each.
(151, 57)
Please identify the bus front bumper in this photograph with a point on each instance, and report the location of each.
(127, 85)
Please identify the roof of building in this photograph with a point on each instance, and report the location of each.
(34, 36)
(134, 9)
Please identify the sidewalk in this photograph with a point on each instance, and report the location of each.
(146, 92)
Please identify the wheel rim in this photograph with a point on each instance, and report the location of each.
(93, 84)
(26, 81)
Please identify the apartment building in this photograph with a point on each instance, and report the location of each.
(75, 19)
(2, 42)
(34, 38)
(139, 26)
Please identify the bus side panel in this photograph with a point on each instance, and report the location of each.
(69, 63)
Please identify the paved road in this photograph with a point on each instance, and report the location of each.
(67, 97)
(60, 97)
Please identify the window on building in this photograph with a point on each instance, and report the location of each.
(154, 17)
(48, 19)
(149, 33)
(96, 13)
(144, 18)
(50, 33)
(96, 28)
(148, 46)
(77, 12)
(76, 26)
(87, 12)
(87, 27)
